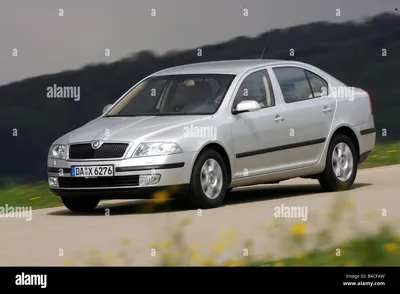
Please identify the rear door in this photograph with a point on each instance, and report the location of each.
(309, 112)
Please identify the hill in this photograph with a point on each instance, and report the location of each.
(352, 52)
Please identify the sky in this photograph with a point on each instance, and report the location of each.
(47, 42)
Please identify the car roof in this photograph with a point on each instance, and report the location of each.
(233, 67)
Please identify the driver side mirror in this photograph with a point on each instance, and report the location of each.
(107, 108)
(247, 106)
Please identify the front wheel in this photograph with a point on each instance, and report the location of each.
(80, 204)
(209, 181)
(341, 165)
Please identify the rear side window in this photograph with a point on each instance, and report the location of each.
(318, 85)
(298, 84)
(294, 84)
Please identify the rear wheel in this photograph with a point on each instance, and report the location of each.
(341, 165)
(209, 181)
(80, 204)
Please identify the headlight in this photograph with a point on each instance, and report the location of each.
(57, 151)
(152, 149)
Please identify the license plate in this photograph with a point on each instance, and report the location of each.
(92, 171)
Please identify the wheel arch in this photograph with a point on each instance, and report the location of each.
(221, 151)
(349, 132)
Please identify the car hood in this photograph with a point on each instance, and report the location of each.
(130, 128)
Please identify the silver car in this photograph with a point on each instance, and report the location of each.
(197, 131)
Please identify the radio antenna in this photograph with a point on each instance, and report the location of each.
(265, 46)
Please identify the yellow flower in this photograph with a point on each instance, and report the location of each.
(233, 264)
(348, 244)
(153, 245)
(194, 246)
(300, 255)
(228, 237)
(331, 214)
(94, 252)
(350, 204)
(125, 241)
(270, 224)
(298, 229)
(109, 256)
(217, 247)
(34, 198)
(390, 247)
(372, 156)
(161, 196)
(164, 245)
(195, 256)
(279, 264)
(350, 263)
(391, 151)
(207, 261)
(186, 221)
(68, 262)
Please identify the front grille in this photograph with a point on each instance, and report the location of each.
(120, 181)
(107, 150)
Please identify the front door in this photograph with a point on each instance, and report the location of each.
(258, 135)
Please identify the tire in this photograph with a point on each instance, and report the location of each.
(329, 180)
(197, 197)
(80, 204)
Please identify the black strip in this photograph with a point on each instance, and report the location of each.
(367, 131)
(363, 156)
(150, 167)
(279, 148)
(57, 169)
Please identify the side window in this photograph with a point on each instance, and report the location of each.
(293, 83)
(319, 85)
(257, 87)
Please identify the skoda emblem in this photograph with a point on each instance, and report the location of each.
(96, 144)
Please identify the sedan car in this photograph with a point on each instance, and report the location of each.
(197, 131)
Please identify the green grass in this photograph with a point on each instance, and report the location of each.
(38, 194)
(381, 249)
(383, 155)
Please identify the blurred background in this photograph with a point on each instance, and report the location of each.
(67, 43)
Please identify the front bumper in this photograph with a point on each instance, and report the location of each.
(174, 170)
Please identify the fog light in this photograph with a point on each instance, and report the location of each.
(146, 180)
(53, 182)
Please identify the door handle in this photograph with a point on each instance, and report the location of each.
(327, 109)
(279, 119)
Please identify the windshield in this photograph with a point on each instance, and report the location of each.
(175, 95)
